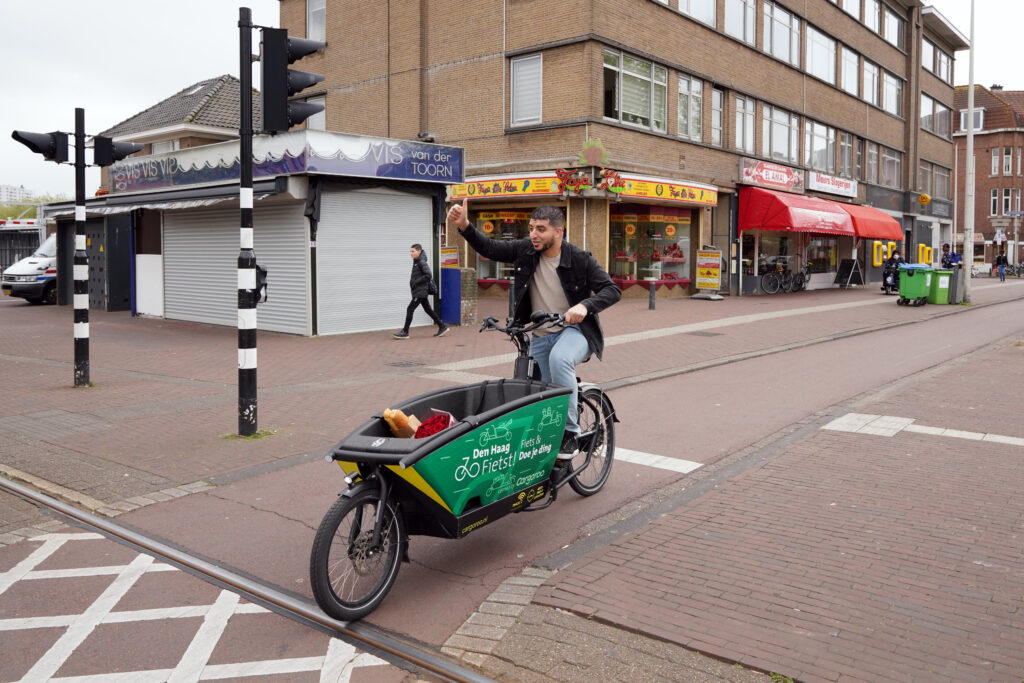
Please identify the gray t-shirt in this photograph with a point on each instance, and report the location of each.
(546, 293)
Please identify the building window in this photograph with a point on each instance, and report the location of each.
(1018, 160)
(745, 124)
(739, 19)
(820, 147)
(780, 135)
(316, 19)
(935, 116)
(1007, 161)
(940, 182)
(871, 174)
(821, 55)
(846, 155)
(717, 103)
(1018, 200)
(979, 119)
(892, 94)
(892, 168)
(850, 71)
(924, 177)
(691, 107)
(527, 78)
(318, 121)
(635, 90)
(993, 208)
(870, 83)
(781, 34)
(852, 7)
(893, 25)
(1007, 200)
(165, 147)
(701, 10)
(928, 54)
(872, 14)
(860, 159)
(995, 161)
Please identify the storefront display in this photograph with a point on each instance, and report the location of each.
(499, 224)
(650, 243)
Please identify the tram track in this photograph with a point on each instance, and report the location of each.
(272, 598)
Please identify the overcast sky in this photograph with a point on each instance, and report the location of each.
(115, 58)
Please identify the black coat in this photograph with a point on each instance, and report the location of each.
(419, 281)
(583, 279)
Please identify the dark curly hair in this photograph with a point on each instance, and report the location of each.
(550, 213)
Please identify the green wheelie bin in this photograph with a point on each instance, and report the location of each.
(915, 281)
(938, 291)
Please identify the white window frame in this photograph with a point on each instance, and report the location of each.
(846, 155)
(740, 20)
(701, 10)
(745, 110)
(993, 208)
(165, 147)
(786, 45)
(657, 92)
(870, 90)
(852, 7)
(979, 116)
(1018, 160)
(1007, 160)
(995, 162)
(871, 175)
(821, 56)
(849, 74)
(690, 108)
(894, 26)
(940, 182)
(892, 94)
(780, 134)
(928, 54)
(872, 15)
(891, 159)
(717, 115)
(316, 20)
(819, 142)
(924, 177)
(527, 96)
(1007, 200)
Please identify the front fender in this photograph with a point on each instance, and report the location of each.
(584, 386)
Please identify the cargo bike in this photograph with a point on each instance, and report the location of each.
(498, 456)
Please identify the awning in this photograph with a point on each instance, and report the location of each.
(762, 209)
(870, 223)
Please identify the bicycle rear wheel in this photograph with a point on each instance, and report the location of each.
(349, 576)
(770, 282)
(597, 437)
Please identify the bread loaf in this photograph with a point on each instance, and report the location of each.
(401, 425)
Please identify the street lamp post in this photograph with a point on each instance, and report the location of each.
(969, 184)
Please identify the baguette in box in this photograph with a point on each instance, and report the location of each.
(402, 425)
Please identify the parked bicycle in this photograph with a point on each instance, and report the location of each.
(498, 457)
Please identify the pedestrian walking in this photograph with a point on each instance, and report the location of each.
(1001, 265)
(422, 284)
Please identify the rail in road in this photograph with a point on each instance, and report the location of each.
(402, 653)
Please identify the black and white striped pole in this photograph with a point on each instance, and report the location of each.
(247, 416)
(80, 262)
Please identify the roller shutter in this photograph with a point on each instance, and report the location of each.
(201, 266)
(363, 262)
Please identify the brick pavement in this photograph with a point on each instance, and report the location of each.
(165, 398)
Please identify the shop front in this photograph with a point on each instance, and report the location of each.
(642, 229)
(790, 233)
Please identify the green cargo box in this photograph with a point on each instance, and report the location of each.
(938, 291)
(915, 282)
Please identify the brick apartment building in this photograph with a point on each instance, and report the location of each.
(998, 178)
(664, 126)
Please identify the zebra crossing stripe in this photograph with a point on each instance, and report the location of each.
(657, 461)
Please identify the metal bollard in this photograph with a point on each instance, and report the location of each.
(650, 301)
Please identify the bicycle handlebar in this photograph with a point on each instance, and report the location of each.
(538, 319)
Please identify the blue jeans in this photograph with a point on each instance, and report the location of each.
(557, 356)
(1002, 272)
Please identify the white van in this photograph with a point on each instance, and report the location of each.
(34, 278)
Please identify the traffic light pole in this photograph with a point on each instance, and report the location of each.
(81, 259)
(247, 417)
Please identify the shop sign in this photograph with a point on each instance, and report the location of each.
(846, 187)
(773, 176)
(573, 182)
(709, 270)
(545, 185)
(644, 188)
(449, 257)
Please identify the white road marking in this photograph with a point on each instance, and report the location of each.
(887, 425)
(659, 461)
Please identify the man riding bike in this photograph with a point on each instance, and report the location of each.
(551, 275)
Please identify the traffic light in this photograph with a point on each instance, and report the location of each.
(280, 82)
(53, 146)
(105, 151)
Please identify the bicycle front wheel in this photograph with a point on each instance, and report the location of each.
(350, 577)
(597, 438)
(770, 283)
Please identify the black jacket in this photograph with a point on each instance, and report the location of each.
(583, 280)
(419, 281)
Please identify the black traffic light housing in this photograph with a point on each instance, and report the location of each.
(279, 82)
(105, 151)
(53, 146)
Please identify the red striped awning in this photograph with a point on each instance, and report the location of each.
(762, 209)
